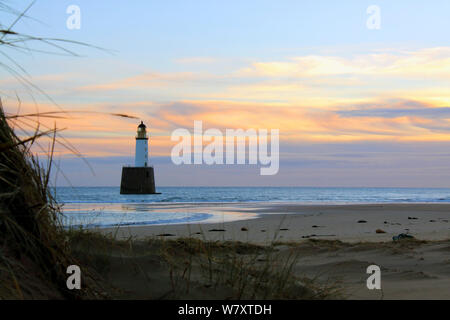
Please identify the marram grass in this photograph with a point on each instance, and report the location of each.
(34, 254)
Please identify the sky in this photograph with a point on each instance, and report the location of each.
(355, 106)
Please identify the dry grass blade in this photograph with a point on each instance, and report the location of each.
(8, 145)
(56, 114)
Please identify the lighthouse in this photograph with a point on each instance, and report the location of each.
(139, 179)
(141, 155)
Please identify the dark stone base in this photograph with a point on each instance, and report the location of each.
(138, 180)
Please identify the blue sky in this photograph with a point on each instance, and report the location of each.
(154, 33)
(309, 68)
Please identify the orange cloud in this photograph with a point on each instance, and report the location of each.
(103, 134)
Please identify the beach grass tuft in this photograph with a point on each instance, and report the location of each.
(187, 268)
(34, 253)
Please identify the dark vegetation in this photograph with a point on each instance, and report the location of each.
(34, 253)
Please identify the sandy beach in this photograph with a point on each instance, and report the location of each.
(334, 243)
(268, 222)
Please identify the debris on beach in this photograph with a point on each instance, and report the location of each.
(318, 235)
(244, 229)
(216, 230)
(380, 231)
(362, 221)
(402, 236)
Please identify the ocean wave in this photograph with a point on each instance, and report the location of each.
(254, 194)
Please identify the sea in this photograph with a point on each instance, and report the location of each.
(103, 207)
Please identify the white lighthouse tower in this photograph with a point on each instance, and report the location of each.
(139, 179)
(141, 155)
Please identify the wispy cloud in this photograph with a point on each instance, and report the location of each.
(430, 62)
(146, 80)
(317, 80)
